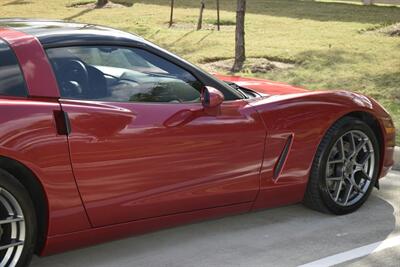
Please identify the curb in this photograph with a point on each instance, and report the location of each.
(396, 165)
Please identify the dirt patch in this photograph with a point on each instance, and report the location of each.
(222, 22)
(93, 5)
(392, 30)
(205, 26)
(252, 65)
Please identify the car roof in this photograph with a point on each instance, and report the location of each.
(58, 32)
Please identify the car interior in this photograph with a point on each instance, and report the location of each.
(140, 81)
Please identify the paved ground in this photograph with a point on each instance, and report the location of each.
(287, 236)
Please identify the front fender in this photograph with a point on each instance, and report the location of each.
(305, 118)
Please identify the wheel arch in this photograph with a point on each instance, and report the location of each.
(36, 191)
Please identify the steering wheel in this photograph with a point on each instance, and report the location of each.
(75, 78)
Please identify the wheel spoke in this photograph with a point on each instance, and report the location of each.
(12, 228)
(349, 166)
(335, 161)
(339, 189)
(359, 147)
(358, 188)
(342, 149)
(349, 190)
(365, 159)
(354, 184)
(365, 175)
(353, 144)
(13, 243)
(334, 178)
(11, 220)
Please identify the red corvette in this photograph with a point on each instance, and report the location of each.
(103, 135)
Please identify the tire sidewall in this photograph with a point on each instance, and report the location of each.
(15, 188)
(344, 126)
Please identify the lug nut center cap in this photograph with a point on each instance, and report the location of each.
(348, 169)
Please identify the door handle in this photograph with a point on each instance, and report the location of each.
(63, 123)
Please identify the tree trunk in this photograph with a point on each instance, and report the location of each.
(218, 21)
(172, 14)
(200, 22)
(101, 3)
(240, 55)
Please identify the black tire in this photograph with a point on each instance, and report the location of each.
(317, 196)
(12, 186)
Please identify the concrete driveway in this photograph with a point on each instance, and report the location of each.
(287, 236)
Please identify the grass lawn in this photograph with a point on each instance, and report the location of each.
(328, 41)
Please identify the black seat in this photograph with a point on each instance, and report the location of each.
(97, 88)
(73, 77)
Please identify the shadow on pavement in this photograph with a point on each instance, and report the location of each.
(285, 236)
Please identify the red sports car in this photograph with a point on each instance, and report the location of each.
(103, 134)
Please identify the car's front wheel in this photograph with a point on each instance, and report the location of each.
(17, 223)
(345, 168)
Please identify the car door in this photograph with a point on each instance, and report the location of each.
(141, 143)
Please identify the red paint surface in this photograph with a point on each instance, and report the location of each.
(34, 64)
(262, 86)
(28, 135)
(141, 167)
(131, 162)
(214, 97)
(57, 244)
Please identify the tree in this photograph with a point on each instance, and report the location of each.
(171, 17)
(200, 22)
(218, 22)
(240, 55)
(101, 3)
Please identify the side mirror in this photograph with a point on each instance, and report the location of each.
(211, 97)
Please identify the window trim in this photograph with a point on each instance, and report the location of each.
(153, 50)
(99, 100)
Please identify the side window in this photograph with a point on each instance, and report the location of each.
(12, 82)
(110, 73)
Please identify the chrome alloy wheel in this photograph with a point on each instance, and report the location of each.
(350, 168)
(12, 229)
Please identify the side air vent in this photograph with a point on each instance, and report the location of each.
(282, 157)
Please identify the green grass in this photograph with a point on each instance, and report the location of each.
(330, 41)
